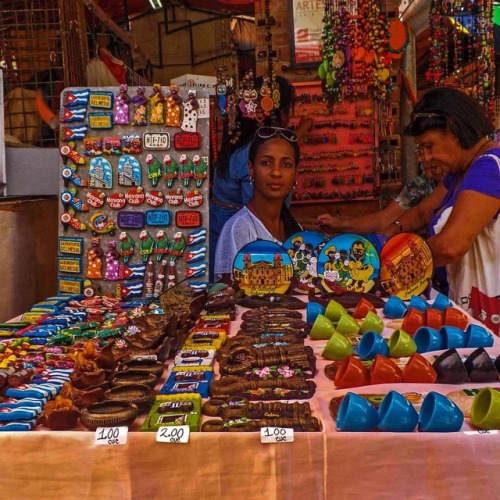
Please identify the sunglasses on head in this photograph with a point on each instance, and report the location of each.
(268, 132)
(416, 116)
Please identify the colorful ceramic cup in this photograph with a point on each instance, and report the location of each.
(351, 373)
(439, 414)
(395, 308)
(450, 368)
(312, 311)
(434, 318)
(371, 344)
(485, 411)
(334, 310)
(428, 339)
(413, 320)
(418, 370)
(478, 336)
(385, 371)
(322, 328)
(337, 348)
(396, 414)
(418, 303)
(362, 308)
(371, 322)
(347, 325)
(401, 344)
(441, 302)
(455, 317)
(453, 337)
(356, 414)
(480, 366)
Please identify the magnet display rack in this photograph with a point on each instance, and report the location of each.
(134, 197)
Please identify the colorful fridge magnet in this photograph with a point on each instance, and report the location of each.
(131, 220)
(101, 99)
(186, 169)
(177, 246)
(127, 246)
(140, 111)
(135, 196)
(200, 169)
(171, 170)
(263, 267)
(154, 198)
(161, 246)
(406, 265)
(129, 171)
(198, 236)
(156, 101)
(92, 146)
(75, 98)
(112, 145)
(146, 245)
(158, 217)
(69, 175)
(68, 220)
(196, 270)
(95, 199)
(116, 201)
(68, 152)
(377, 240)
(154, 169)
(188, 218)
(196, 254)
(160, 279)
(304, 249)
(112, 272)
(149, 283)
(132, 144)
(95, 258)
(184, 141)
(175, 197)
(71, 246)
(72, 265)
(348, 261)
(156, 140)
(76, 133)
(100, 173)
(193, 199)
(122, 102)
(100, 224)
(129, 290)
(72, 115)
(190, 115)
(173, 104)
(100, 121)
(69, 199)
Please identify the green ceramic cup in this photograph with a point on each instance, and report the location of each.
(334, 310)
(337, 348)
(485, 411)
(322, 328)
(371, 322)
(401, 345)
(347, 325)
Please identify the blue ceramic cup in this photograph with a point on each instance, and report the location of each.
(396, 414)
(453, 337)
(356, 414)
(418, 303)
(394, 308)
(371, 344)
(439, 414)
(312, 311)
(428, 339)
(441, 302)
(478, 336)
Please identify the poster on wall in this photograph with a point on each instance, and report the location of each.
(306, 26)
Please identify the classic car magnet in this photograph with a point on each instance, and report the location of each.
(99, 223)
(304, 249)
(348, 261)
(263, 267)
(406, 265)
(129, 171)
(100, 173)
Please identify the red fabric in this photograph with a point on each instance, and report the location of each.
(114, 65)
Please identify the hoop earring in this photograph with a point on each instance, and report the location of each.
(251, 180)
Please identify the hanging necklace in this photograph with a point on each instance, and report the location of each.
(278, 233)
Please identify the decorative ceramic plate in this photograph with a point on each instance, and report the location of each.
(350, 262)
(304, 248)
(262, 267)
(377, 240)
(406, 265)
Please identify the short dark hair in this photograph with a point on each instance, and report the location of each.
(446, 108)
(258, 141)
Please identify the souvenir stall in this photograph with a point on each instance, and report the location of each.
(330, 369)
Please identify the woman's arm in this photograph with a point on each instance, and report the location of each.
(471, 213)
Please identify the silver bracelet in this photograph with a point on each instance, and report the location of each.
(399, 225)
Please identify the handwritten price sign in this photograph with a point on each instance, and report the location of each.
(111, 435)
(276, 435)
(173, 434)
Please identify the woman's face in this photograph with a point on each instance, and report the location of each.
(274, 168)
(440, 150)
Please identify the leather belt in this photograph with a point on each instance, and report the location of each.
(224, 205)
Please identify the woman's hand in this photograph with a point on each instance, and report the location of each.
(328, 223)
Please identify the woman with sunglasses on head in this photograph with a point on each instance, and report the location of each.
(232, 188)
(272, 164)
(452, 131)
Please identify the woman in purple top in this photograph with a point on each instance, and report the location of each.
(452, 130)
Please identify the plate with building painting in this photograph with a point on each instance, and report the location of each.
(349, 262)
(263, 267)
(405, 265)
(304, 248)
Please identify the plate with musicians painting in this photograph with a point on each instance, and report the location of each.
(263, 267)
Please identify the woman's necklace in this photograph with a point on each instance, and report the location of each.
(278, 231)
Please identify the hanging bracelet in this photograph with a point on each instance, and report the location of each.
(399, 225)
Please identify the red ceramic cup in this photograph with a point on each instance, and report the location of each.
(385, 371)
(434, 318)
(419, 371)
(351, 373)
(362, 308)
(455, 317)
(413, 320)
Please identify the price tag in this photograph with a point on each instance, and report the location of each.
(173, 434)
(111, 435)
(482, 431)
(144, 357)
(276, 435)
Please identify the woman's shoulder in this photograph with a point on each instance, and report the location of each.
(241, 217)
